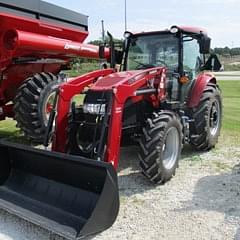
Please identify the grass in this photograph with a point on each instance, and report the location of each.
(231, 115)
(231, 106)
(82, 69)
(7, 128)
(232, 67)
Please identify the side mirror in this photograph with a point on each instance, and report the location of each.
(204, 43)
(212, 64)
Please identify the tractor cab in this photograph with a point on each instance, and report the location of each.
(181, 50)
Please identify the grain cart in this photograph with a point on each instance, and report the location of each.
(161, 97)
(38, 40)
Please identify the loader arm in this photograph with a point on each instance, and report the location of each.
(66, 92)
(133, 84)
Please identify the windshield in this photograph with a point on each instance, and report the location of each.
(152, 51)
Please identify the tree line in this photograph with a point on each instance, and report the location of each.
(226, 51)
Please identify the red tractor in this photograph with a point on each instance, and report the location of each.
(38, 40)
(162, 98)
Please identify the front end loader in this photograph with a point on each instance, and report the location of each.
(67, 195)
(162, 98)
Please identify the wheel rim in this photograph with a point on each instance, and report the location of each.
(171, 148)
(47, 107)
(214, 118)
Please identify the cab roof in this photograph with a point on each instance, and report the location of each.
(183, 29)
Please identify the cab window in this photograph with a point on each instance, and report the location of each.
(192, 59)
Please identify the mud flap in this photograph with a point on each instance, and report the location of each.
(68, 195)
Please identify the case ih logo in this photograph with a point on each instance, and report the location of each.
(73, 47)
(78, 48)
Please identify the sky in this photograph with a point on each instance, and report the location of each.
(221, 18)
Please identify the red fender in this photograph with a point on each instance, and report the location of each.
(202, 80)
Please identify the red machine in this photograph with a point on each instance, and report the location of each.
(38, 40)
(161, 98)
(129, 101)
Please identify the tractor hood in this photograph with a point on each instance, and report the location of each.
(114, 80)
(119, 78)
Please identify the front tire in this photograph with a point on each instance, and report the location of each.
(160, 146)
(32, 105)
(80, 136)
(207, 119)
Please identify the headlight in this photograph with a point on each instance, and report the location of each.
(94, 108)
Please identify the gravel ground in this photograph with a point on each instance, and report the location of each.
(201, 202)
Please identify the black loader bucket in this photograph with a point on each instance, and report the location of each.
(68, 195)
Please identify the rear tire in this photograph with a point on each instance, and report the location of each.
(31, 103)
(160, 146)
(207, 119)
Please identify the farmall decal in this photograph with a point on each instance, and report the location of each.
(71, 46)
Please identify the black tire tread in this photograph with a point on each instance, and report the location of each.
(152, 139)
(26, 105)
(203, 141)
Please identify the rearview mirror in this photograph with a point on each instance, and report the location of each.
(212, 64)
(204, 43)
